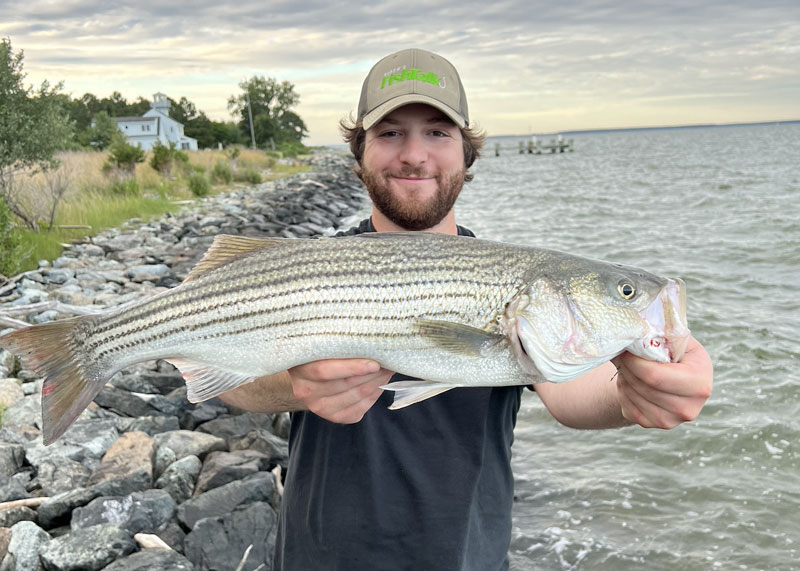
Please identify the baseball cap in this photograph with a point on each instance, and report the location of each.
(412, 76)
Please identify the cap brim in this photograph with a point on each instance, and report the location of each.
(381, 111)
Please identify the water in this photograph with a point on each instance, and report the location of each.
(719, 207)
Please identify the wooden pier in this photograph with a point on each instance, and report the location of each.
(536, 147)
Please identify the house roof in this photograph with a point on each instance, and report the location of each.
(131, 119)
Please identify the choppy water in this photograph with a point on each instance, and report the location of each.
(719, 207)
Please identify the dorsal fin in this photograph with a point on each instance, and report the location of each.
(226, 248)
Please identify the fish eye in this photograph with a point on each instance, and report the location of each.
(626, 290)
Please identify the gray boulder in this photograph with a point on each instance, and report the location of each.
(234, 427)
(259, 487)
(62, 475)
(123, 402)
(12, 457)
(86, 442)
(275, 448)
(152, 560)
(56, 510)
(222, 468)
(189, 443)
(11, 516)
(89, 549)
(11, 489)
(27, 540)
(219, 543)
(180, 477)
(149, 272)
(148, 424)
(140, 512)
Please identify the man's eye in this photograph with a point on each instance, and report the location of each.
(389, 134)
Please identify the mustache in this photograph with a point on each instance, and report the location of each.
(411, 172)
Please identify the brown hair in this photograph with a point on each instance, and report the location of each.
(354, 135)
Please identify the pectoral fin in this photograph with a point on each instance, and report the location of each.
(457, 338)
(411, 392)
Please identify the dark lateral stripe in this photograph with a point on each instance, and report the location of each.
(454, 316)
(273, 274)
(312, 306)
(185, 309)
(235, 285)
(307, 307)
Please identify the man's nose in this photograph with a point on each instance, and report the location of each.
(413, 150)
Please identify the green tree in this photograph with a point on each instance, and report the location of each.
(34, 125)
(11, 250)
(271, 103)
(100, 133)
(80, 112)
(227, 133)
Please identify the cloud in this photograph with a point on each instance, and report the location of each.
(564, 65)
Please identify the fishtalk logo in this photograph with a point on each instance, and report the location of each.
(413, 74)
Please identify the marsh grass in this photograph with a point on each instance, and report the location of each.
(90, 201)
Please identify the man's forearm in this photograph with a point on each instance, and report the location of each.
(588, 402)
(266, 394)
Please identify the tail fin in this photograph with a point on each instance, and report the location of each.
(51, 350)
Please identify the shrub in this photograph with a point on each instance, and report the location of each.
(248, 175)
(199, 184)
(292, 149)
(163, 157)
(124, 156)
(222, 173)
(126, 187)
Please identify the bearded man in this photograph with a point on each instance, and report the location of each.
(428, 487)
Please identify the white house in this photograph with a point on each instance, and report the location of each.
(155, 125)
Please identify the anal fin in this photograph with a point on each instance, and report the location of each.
(407, 393)
(205, 382)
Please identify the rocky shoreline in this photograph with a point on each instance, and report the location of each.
(144, 479)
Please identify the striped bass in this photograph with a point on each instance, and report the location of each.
(451, 310)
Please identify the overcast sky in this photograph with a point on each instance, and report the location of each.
(527, 66)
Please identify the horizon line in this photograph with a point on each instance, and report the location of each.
(651, 127)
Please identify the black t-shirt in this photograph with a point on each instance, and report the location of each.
(426, 487)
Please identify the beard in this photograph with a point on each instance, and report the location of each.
(414, 215)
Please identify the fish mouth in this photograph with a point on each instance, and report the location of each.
(668, 332)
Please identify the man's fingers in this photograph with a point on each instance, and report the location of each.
(690, 378)
(344, 409)
(339, 390)
(335, 369)
(640, 410)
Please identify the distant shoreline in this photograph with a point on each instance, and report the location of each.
(656, 128)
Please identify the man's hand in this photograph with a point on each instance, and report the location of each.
(339, 390)
(663, 395)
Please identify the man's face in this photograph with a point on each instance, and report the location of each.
(413, 166)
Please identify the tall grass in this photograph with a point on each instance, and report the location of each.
(99, 212)
(90, 200)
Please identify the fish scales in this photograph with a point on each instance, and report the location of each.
(328, 294)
